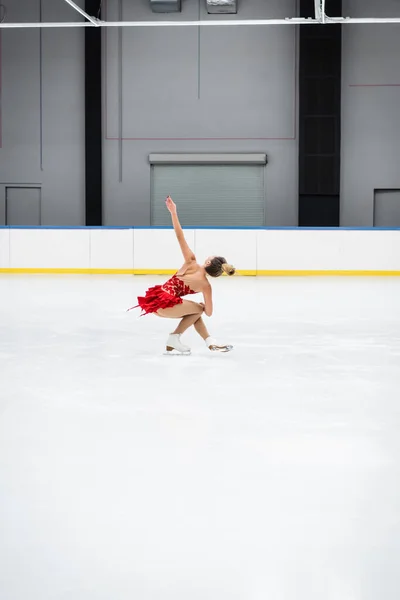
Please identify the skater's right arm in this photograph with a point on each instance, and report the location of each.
(208, 303)
(188, 254)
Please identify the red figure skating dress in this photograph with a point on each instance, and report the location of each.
(163, 296)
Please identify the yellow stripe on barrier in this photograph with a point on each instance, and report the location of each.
(329, 273)
(264, 273)
(46, 271)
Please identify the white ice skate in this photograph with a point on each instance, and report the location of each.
(214, 346)
(175, 346)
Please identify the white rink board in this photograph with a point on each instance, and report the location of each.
(239, 247)
(265, 251)
(111, 249)
(328, 250)
(158, 248)
(49, 249)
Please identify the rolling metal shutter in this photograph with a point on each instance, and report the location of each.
(209, 195)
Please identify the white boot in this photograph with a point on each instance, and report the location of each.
(213, 345)
(174, 343)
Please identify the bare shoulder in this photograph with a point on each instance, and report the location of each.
(188, 268)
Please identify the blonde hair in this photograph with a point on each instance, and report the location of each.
(228, 269)
(218, 266)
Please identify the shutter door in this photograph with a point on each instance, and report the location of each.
(209, 195)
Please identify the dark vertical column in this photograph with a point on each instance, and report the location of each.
(320, 110)
(93, 119)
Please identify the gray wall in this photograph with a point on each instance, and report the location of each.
(43, 133)
(184, 83)
(216, 83)
(370, 112)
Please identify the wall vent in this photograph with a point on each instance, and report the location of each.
(165, 6)
(221, 7)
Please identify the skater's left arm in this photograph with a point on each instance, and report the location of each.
(208, 303)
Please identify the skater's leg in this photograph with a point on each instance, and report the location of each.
(181, 310)
(189, 312)
(191, 315)
(187, 322)
(201, 328)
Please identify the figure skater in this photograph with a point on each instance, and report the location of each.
(166, 300)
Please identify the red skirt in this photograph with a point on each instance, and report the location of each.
(155, 299)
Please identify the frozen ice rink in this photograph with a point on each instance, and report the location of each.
(272, 472)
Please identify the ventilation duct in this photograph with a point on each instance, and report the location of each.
(221, 7)
(165, 6)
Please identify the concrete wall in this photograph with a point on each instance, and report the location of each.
(185, 90)
(42, 111)
(370, 109)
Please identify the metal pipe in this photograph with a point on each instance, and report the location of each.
(230, 23)
(83, 13)
(41, 87)
(323, 13)
(294, 21)
(120, 95)
(205, 23)
(360, 21)
(199, 52)
(317, 9)
(42, 25)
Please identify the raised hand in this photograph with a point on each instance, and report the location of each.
(171, 205)
(186, 251)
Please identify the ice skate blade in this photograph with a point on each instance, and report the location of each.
(226, 348)
(174, 352)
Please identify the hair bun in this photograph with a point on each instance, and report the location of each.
(228, 269)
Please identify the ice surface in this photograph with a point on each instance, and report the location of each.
(269, 473)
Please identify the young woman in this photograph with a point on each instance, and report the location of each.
(166, 300)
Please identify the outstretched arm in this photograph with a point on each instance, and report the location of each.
(188, 254)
